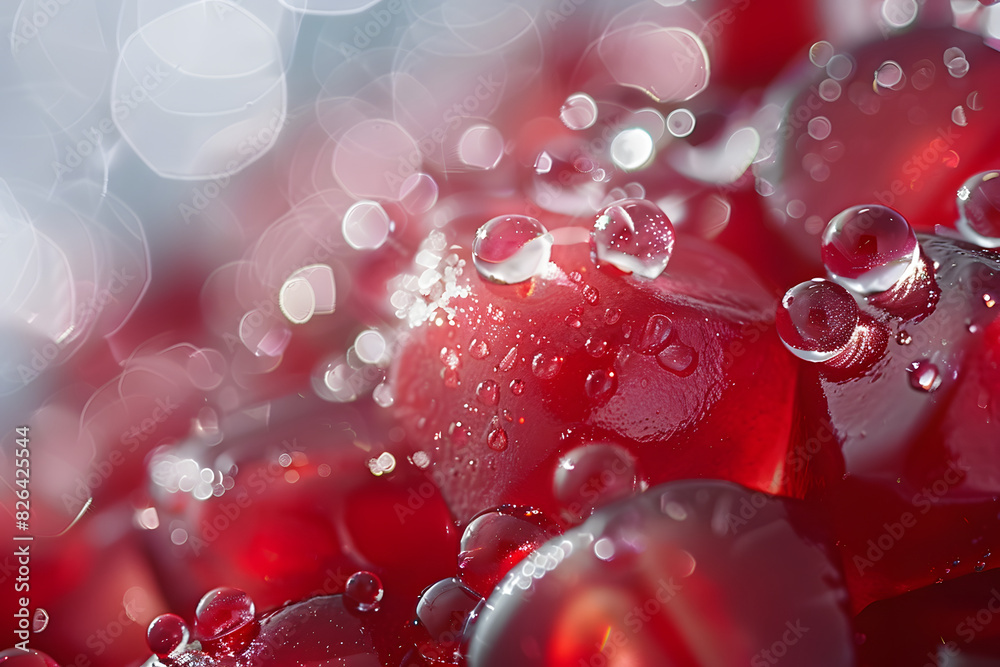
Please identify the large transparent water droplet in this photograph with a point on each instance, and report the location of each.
(511, 249)
(979, 209)
(869, 248)
(363, 591)
(635, 236)
(224, 621)
(593, 475)
(817, 319)
(578, 112)
(924, 375)
(656, 333)
(166, 634)
(546, 365)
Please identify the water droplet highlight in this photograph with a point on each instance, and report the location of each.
(363, 591)
(869, 249)
(510, 249)
(635, 236)
(546, 365)
(924, 375)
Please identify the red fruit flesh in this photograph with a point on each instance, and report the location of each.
(677, 370)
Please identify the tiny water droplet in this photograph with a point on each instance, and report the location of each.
(635, 236)
(510, 249)
(573, 321)
(600, 385)
(656, 334)
(508, 360)
(451, 378)
(979, 209)
(924, 375)
(980, 566)
(869, 248)
(904, 337)
(517, 387)
(612, 315)
(488, 392)
(363, 591)
(166, 634)
(591, 295)
(546, 365)
(820, 53)
(496, 439)
(39, 620)
(678, 358)
(479, 349)
(817, 319)
(596, 347)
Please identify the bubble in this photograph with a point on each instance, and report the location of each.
(899, 13)
(840, 67)
(593, 475)
(923, 73)
(363, 591)
(889, 75)
(511, 249)
(481, 147)
(817, 319)
(370, 346)
(924, 375)
(979, 209)
(632, 149)
(383, 395)
(869, 249)
(829, 90)
(680, 122)
(820, 53)
(635, 236)
(956, 62)
(670, 64)
(297, 300)
(224, 621)
(366, 225)
(578, 112)
(444, 607)
(418, 193)
(819, 128)
(167, 634)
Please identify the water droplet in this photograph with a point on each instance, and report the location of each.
(546, 365)
(479, 349)
(635, 236)
(974, 101)
(451, 378)
(39, 620)
(889, 76)
(924, 375)
(678, 358)
(596, 347)
(593, 475)
(573, 321)
(508, 360)
(656, 334)
(166, 634)
(980, 566)
(979, 209)
(956, 62)
(511, 249)
(904, 337)
(496, 438)
(600, 385)
(517, 387)
(488, 393)
(632, 148)
(680, 122)
(820, 53)
(612, 315)
(224, 621)
(481, 147)
(869, 249)
(578, 112)
(591, 295)
(366, 225)
(363, 591)
(830, 90)
(958, 116)
(383, 395)
(817, 319)
(840, 67)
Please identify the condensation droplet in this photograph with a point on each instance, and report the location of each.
(817, 319)
(889, 76)
(869, 249)
(363, 591)
(829, 90)
(840, 67)
(678, 358)
(511, 249)
(979, 209)
(39, 620)
(655, 334)
(635, 236)
(517, 387)
(924, 375)
(479, 349)
(546, 365)
(488, 393)
(600, 385)
(496, 438)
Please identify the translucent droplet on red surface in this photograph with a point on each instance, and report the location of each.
(924, 375)
(488, 392)
(591, 476)
(655, 334)
(546, 365)
(511, 249)
(167, 634)
(889, 76)
(869, 248)
(600, 385)
(363, 591)
(224, 621)
(979, 209)
(496, 437)
(15, 657)
(496, 540)
(635, 236)
(817, 319)
(444, 607)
